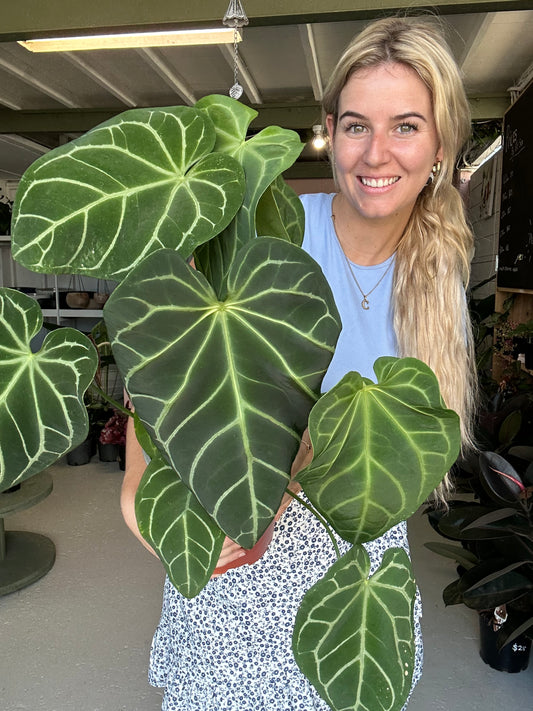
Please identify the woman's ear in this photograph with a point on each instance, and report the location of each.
(439, 155)
(330, 126)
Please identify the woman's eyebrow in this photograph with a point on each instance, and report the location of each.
(398, 117)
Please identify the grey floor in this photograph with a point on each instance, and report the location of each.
(79, 638)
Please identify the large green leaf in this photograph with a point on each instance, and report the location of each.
(280, 213)
(263, 157)
(42, 414)
(353, 635)
(170, 518)
(379, 449)
(225, 387)
(146, 179)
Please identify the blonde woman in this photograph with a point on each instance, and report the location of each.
(394, 245)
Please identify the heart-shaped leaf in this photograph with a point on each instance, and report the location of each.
(146, 179)
(177, 527)
(42, 414)
(225, 387)
(353, 635)
(379, 449)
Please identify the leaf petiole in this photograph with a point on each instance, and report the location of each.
(319, 517)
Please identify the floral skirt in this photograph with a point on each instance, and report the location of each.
(229, 648)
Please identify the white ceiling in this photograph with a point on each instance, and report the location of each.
(286, 60)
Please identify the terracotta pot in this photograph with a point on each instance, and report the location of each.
(100, 298)
(253, 554)
(77, 299)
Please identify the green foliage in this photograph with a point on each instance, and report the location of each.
(144, 180)
(42, 414)
(358, 480)
(224, 366)
(353, 633)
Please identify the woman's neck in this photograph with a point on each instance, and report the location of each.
(365, 242)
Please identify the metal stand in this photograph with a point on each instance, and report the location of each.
(24, 557)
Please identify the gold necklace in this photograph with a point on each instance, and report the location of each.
(365, 304)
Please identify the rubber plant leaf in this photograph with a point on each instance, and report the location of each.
(42, 414)
(379, 448)
(461, 523)
(143, 180)
(185, 537)
(353, 635)
(493, 583)
(224, 388)
(263, 157)
(500, 479)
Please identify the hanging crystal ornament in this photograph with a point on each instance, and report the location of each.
(235, 17)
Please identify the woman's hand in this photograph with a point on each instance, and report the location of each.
(231, 552)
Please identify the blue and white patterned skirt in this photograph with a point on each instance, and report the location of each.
(229, 648)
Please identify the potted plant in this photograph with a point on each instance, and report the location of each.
(112, 439)
(496, 557)
(223, 364)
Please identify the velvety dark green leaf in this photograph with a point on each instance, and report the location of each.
(42, 414)
(146, 179)
(280, 213)
(379, 449)
(353, 635)
(225, 387)
(263, 157)
(177, 527)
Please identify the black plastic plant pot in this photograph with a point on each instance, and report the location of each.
(81, 454)
(108, 452)
(512, 657)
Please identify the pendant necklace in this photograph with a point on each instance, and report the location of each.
(365, 304)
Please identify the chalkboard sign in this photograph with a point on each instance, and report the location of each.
(515, 254)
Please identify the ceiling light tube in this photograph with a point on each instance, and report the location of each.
(137, 39)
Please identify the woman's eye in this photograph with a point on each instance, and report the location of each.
(407, 128)
(356, 128)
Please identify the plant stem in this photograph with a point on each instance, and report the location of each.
(117, 405)
(319, 517)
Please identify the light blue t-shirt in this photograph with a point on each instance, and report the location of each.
(366, 334)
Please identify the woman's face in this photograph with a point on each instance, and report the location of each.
(385, 141)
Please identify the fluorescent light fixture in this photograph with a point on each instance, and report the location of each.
(136, 39)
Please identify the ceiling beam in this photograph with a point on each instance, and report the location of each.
(27, 19)
(286, 115)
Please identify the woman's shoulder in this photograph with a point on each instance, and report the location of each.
(317, 201)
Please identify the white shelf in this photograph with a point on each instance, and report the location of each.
(73, 313)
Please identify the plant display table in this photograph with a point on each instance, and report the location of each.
(24, 556)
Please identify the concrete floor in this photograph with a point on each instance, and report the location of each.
(79, 638)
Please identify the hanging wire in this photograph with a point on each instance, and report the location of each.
(235, 17)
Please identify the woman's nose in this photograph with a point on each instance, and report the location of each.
(377, 150)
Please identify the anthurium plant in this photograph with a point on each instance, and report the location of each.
(224, 362)
(42, 413)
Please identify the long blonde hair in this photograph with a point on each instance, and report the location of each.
(432, 269)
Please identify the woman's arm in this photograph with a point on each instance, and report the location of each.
(135, 466)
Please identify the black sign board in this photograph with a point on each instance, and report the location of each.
(515, 254)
